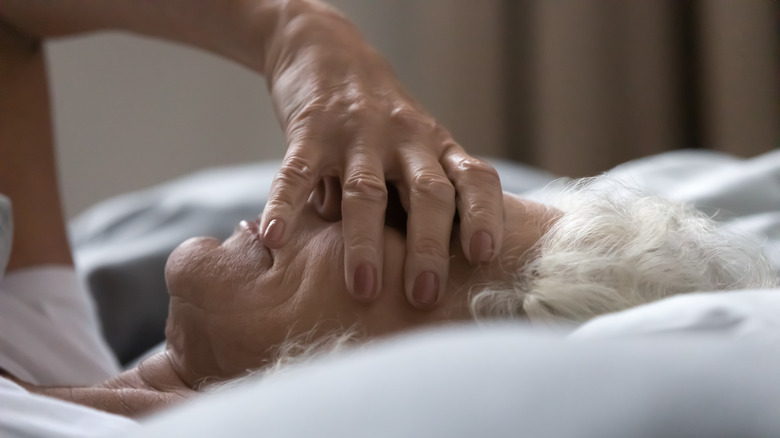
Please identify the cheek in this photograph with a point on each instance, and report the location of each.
(320, 300)
(391, 312)
(222, 277)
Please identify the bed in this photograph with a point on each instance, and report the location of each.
(703, 364)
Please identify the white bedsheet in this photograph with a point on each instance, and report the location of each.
(744, 194)
(506, 381)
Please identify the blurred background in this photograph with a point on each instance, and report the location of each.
(573, 87)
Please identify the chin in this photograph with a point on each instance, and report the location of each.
(184, 260)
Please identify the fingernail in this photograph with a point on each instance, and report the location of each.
(364, 281)
(274, 230)
(426, 288)
(481, 247)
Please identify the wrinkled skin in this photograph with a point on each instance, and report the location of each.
(234, 302)
(346, 116)
(349, 124)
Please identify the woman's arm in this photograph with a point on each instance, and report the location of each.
(28, 176)
(345, 115)
(27, 161)
(236, 29)
(149, 387)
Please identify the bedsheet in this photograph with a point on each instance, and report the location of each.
(121, 244)
(505, 381)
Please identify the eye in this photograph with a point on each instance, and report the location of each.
(395, 215)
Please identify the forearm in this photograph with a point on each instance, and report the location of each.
(245, 31)
(27, 161)
(128, 402)
(149, 387)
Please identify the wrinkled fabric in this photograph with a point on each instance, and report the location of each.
(505, 381)
(49, 330)
(49, 335)
(27, 415)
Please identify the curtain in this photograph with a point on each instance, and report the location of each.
(591, 84)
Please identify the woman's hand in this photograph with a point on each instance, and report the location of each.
(346, 116)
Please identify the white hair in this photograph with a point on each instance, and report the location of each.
(294, 350)
(613, 248)
(618, 248)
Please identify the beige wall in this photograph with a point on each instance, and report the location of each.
(582, 88)
(606, 81)
(741, 90)
(133, 112)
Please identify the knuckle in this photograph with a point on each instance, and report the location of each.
(478, 169)
(478, 213)
(444, 135)
(352, 113)
(356, 107)
(296, 171)
(362, 242)
(408, 118)
(365, 186)
(480, 209)
(429, 246)
(311, 111)
(350, 106)
(278, 204)
(433, 186)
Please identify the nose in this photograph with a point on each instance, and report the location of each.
(326, 199)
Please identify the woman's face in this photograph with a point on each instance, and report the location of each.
(233, 302)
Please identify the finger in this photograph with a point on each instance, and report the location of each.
(290, 190)
(431, 210)
(480, 204)
(364, 199)
(326, 199)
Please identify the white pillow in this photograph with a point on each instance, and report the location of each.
(505, 381)
(743, 313)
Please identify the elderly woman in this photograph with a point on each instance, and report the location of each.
(586, 253)
(237, 305)
(347, 120)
